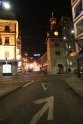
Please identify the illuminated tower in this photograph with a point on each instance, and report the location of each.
(58, 48)
(52, 22)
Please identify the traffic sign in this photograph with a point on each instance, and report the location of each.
(80, 54)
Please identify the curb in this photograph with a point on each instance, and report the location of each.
(76, 92)
(10, 92)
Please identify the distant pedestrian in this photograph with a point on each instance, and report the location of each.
(45, 73)
(69, 70)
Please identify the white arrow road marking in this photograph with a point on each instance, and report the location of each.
(44, 87)
(49, 104)
(28, 83)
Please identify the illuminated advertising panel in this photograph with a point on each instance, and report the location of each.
(7, 68)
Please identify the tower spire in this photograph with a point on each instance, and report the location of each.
(52, 22)
(52, 15)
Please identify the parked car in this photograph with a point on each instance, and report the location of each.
(76, 71)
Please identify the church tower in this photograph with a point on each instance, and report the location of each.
(58, 49)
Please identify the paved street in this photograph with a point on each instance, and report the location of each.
(41, 100)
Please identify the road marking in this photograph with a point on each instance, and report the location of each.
(28, 84)
(46, 85)
(49, 104)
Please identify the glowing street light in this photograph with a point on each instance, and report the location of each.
(6, 5)
(72, 31)
(64, 37)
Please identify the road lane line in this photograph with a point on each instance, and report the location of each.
(28, 84)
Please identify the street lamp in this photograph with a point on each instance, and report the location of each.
(72, 31)
(6, 5)
(25, 54)
(64, 37)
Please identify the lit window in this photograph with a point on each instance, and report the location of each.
(66, 45)
(6, 54)
(69, 45)
(67, 62)
(66, 53)
(70, 62)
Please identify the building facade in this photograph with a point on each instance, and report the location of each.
(77, 15)
(60, 44)
(10, 43)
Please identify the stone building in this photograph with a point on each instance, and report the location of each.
(10, 43)
(60, 43)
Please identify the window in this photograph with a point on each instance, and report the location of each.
(6, 54)
(7, 28)
(7, 40)
(56, 44)
(66, 53)
(69, 62)
(79, 27)
(68, 45)
(78, 9)
(57, 52)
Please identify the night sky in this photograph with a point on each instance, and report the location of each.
(34, 21)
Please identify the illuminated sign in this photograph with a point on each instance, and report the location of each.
(36, 54)
(7, 68)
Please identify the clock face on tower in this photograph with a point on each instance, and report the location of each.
(56, 33)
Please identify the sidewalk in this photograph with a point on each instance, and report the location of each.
(72, 81)
(75, 83)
